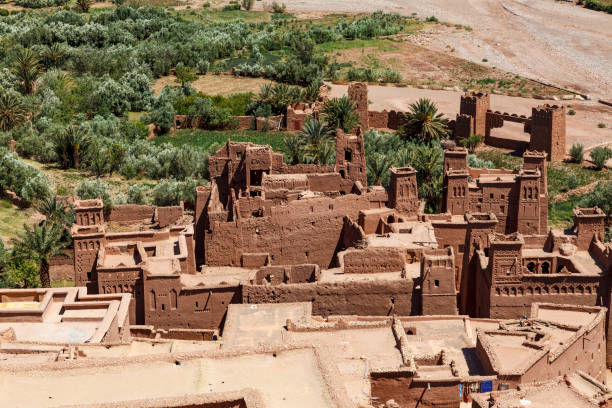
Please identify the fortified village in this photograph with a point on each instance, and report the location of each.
(302, 286)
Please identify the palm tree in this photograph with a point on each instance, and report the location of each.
(56, 211)
(315, 136)
(339, 113)
(293, 148)
(327, 152)
(13, 111)
(70, 145)
(26, 65)
(40, 243)
(54, 54)
(427, 161)
(378, 165)
(424, 123)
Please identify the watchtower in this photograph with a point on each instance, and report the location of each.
(548, 131)
(358, 93)
(350, 156)
(403, 194)
(438, 293)
(476, 105)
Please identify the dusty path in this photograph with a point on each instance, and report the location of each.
(547, 40)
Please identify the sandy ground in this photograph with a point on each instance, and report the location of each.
(552, 41)
(213, 85)
(581, 128)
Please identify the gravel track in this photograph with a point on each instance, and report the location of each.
(552, 41)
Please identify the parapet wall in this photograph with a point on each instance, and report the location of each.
(360, 297)
(131, 213)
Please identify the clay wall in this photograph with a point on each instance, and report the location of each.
(378, 119)
(166, 216)
(243, 122)
(374, 260)
(325, 182)
(408, 393)
(131, 213)
(61, 268)
(372, 297)
(515, 300)
(476, 105)
(370, 221)
(395, 120)
(290, 274)
(168, 305)
(301, 232)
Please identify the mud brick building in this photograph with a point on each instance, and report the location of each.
(546, 125)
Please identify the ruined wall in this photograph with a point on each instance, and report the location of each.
(360, 297)
(131, 213)
(378, 119)
(408, 393)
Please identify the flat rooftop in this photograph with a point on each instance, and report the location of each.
(62, 315)
(290, 378)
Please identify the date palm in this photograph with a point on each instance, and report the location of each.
(40, 243)
(339, 113)
(54, 54)
(316, 136)
(26, 65)
(378, 165)
(424, 123)
(13, 111)
(70, 145)
(293, 148)
(56, 211)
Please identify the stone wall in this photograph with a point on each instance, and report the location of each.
(166, 216)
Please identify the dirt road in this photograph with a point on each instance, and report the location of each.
(547, 40)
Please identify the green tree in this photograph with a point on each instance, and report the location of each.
(89, 189)
(40, 243)
(84, 5)
(427, 161)
(53, 55)
(378, 165)
(316, 139)
(70, 145)
(116, 155)
(601, 197)
(293, 148)
(56, 211)
(424, 123)
(339, 113)
(13, 111)
(26, 66)
(184, 75)
(20, 274)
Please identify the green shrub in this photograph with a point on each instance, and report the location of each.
(572, 181)
(28, 182)
(231, 7)
(278, 8)
(40, 3)
(571, 112)
(391, 76)
(247, 4)
(137, 194)
(20, 274)
(431, 19)
(472, 142)
(478, 163)
(601, 125)
(172, 192)
(600, 156)
(90, 189)
(577, 153)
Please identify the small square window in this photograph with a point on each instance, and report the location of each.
(436, 283)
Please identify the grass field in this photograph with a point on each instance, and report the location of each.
(380, 44)
(206, 138)
(12, 220)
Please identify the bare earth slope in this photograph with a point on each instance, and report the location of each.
(547, 40)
